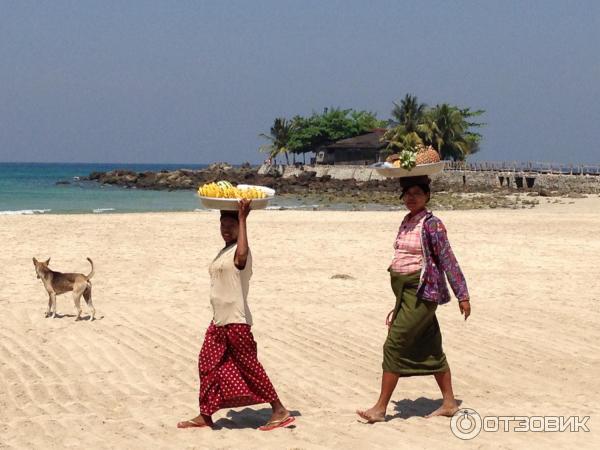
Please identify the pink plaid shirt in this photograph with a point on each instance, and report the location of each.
(408, 255)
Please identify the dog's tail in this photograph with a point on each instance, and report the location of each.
(91, 274)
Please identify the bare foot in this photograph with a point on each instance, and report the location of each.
(444, 410)
(197, 422)
(372, 415)
(279, 415)
(279, 412)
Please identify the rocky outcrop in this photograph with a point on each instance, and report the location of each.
(346, 181)
(191, 179)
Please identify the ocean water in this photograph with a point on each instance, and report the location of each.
(31, 188)
(27, 188)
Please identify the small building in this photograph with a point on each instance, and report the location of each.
(358, 150)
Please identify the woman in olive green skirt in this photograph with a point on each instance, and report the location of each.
(414, 342)
(422, 261)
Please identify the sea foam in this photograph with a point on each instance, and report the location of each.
(101, 210)
(24, 212)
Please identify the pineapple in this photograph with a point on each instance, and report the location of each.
(427, 155)
(406, 159)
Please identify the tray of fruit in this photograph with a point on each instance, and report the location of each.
(223, 195)
(408, 163)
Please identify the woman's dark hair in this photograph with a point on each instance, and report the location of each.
(421, 181)
(231, 214)
(424, 187)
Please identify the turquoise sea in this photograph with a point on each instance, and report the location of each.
(58, 188)
(31, 188)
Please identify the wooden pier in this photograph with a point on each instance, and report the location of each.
(534, 167)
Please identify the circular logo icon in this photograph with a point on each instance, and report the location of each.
(466, 423)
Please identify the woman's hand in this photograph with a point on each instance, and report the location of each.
(465, 308)
(244, 209)
(388, 319)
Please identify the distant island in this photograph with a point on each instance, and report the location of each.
(451, 130)
(356, 185)
(345, 142)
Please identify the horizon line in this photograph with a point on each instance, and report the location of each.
(260, 163)
(128, 163)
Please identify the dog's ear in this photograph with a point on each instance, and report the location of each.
(35, 261)
(48, 261)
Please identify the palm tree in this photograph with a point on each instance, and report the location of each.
(473, 137)
(408, 118)
(409, 113)
(398, 139)
(278, 138)
(446, 129)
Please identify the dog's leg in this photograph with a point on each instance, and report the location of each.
(87, 295)
(49, 311)
(77, 299)
(53, 301)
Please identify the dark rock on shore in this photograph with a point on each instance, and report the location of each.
(324, 189)
(192, 179)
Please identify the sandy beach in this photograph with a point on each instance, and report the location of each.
(530, 348)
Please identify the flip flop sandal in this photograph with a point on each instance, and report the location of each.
(277, 424)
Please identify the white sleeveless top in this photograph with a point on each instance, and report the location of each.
(229, 288)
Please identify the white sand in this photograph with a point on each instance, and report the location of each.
(531, 346)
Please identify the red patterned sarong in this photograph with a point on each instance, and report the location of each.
(230, 374)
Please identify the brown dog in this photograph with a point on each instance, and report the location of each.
(57, 283)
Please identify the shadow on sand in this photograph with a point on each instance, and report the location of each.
(248, 418)
(83, 318)
(420, 407)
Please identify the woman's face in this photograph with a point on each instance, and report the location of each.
(415, 199)
(229, 229)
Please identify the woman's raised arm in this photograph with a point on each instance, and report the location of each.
(241, 253)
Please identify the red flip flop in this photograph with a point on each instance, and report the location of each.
(277, 424)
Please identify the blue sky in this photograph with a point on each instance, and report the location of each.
(196, 82)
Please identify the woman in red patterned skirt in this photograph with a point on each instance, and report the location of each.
(230, 373)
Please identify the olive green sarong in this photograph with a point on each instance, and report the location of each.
(414, 342)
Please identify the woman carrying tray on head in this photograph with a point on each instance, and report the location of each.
(230, 373)
(422, 260)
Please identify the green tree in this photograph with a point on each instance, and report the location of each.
(409, 118)
(399, 140)
(409, 113)
(279, 138)
(365, 121)
(333, 124)
(446, 128)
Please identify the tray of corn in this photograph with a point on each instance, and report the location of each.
(223, 195)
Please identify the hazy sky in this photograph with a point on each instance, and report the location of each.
(197, 81)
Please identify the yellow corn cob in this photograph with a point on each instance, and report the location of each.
(224, 189)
